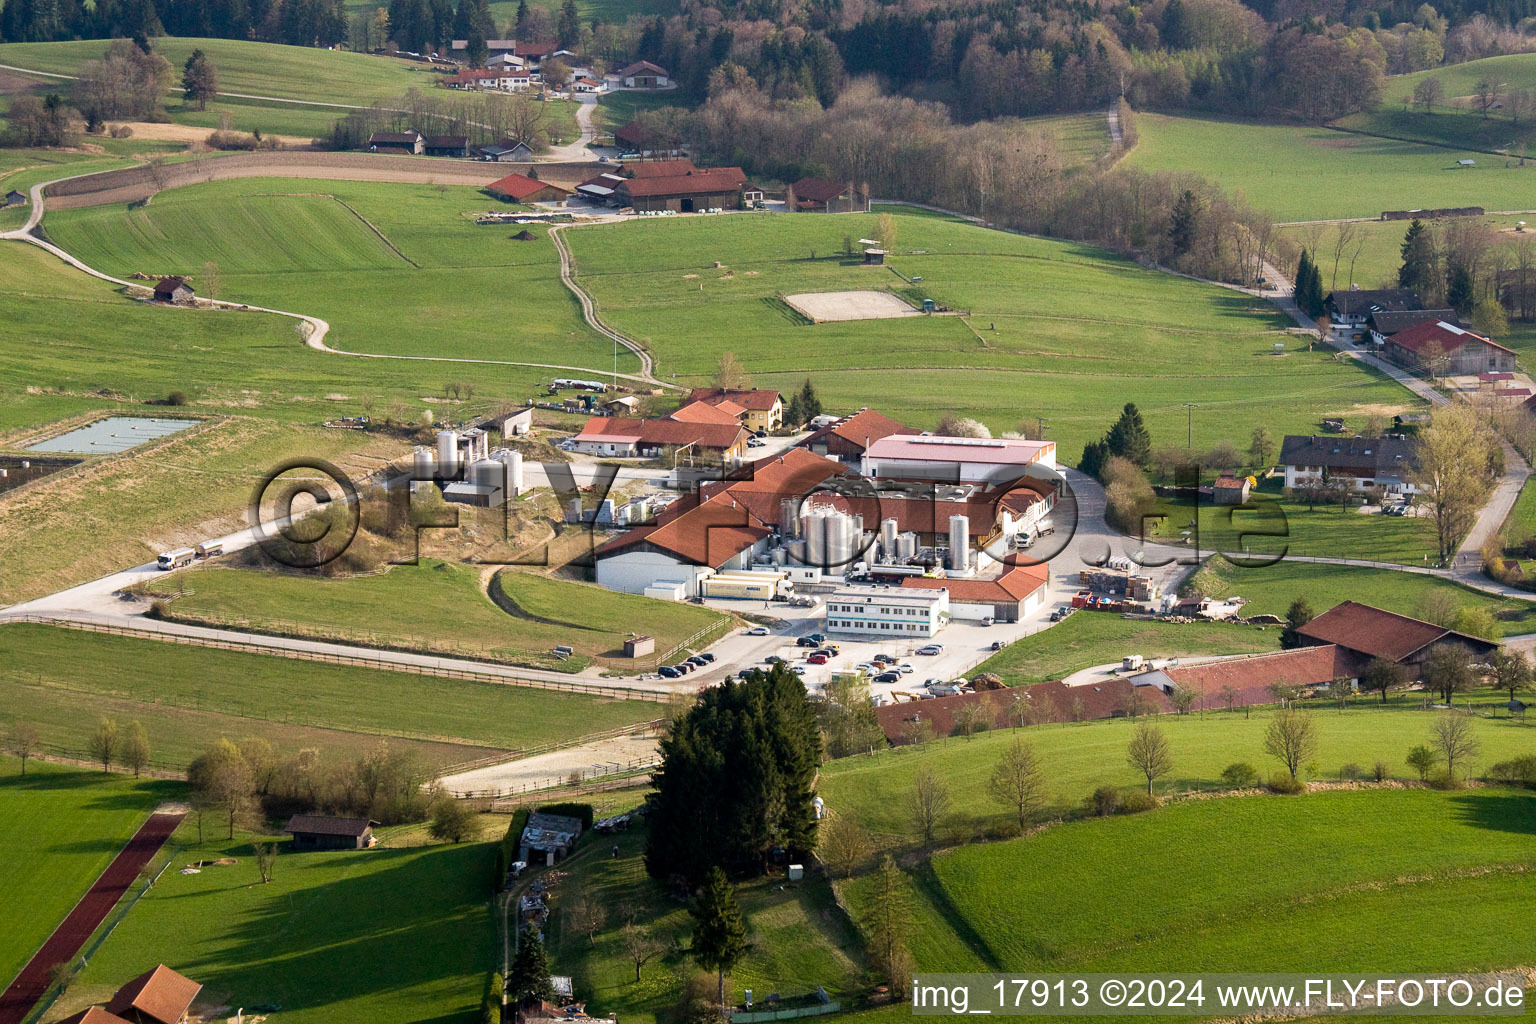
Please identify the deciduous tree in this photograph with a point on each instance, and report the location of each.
(1018, 782)
(928, 802)
(1454, 740)
(22, 741)
(1291, 739)
(104, 744)
(1149, 753)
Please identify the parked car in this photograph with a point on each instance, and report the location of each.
(888, 677)
(668, 672)
(987, 621)
(998, 645)
(798, 670)
(773, 659)
(753, 442)
(697, 661)
(684, 668)
(806, 641)
(708, 658)
(820, 638)
(905, 670)
(758, 631)
(817, 659)
(1055, 616)
(931, 649)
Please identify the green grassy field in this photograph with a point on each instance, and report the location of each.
(439, 268)
(1305, 173)
(121, 513)
(1380, 255)
(1079, 757)
(62, 680)
(1277, 526)
(1271, 589)
(1456, 121)
(800, 939)
(440, 606)
(1081, 139)
(393, 934)
(1041, 341)
(1415, 880)
(264, 69)
(1093, 638)
(65, 826)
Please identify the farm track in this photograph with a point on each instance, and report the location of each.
(33, 982)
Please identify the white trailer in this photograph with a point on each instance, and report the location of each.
(175, 559)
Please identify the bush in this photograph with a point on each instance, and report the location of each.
(1381, 771)
(232, 141)
(160, 609)
(490, 1009)
(1351, 772)
(1136, 801)
(1520, 771)
(1239, 774)
(1285, 783)
(1102, 802)
(121, 131)
(1443, 780)
(176, 398)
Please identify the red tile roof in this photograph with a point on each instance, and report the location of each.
(93, 1015)
(160, 994)
(1100, 700)
(861, 429)
(1377, 633)
(643, 65)
(1016, 584)
(1437, 337)
(520, 186)
(705, 180)
(755, 399)
(1251, 676)
(534, 49)
(819, 190)
(703, 412)
(660, 168)
(722, 436)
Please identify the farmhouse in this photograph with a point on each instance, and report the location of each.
(503, 79)
(643, 75)
(321, 832)
(173, 289)
(757, 409)
(1385, 323)
(409, 141)
(955, 459)
(848, 438)
(625, 438)
(519, 188)
(815, 195)
(446, 145)
(1352, 308)
(1442, 349)
(505, 151)
(158, 996)
(703, 412)
(1358, 463)
(1367, 632)
(600, 188)
(710, 188)
(15, 198)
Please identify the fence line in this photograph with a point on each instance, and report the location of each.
(354, 660)
(591, 780)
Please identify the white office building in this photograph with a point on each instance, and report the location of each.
(887, 611)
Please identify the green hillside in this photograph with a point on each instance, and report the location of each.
(1458, 119)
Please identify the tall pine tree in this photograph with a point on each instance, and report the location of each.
(1420, 263)
(719, 932)
(528, 977)
(1129, 437)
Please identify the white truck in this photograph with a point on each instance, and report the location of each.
(209, 549)
(175, 559)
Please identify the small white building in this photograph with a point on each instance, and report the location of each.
(957, 460)
(887, 611)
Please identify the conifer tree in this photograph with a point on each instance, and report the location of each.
(720, 932)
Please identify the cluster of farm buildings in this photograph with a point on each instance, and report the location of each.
(1433, 342)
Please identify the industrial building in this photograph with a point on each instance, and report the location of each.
(955, 459)
(467, 471)
(887, 611)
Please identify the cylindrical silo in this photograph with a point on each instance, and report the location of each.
(513, 460)
(423, 464)
(813, 528)
(488, 473)
(888, 532)
(789, 518)
(959, 543)
(448, 453)
(906, 546)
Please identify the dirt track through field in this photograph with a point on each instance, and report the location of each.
(32, 983)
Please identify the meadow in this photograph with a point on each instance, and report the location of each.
(1040, 340)
(64, 826)
(62, 680)
(123, 511)
(439, 606)
(1307, 173)
(800, 938)
(333, 249)
(393, 934)
(1087, 639)
(1271, 589)
(1415, 880)
(1456, 120)
(1078, 757)
(260, 69)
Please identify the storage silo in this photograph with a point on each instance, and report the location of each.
(959, 543)
(423, 464)
(513, 460)
(840, 538)
(448, 454)
(488, 473)
(789, 518)
(813, 528)
(888, 534)
(906, 546)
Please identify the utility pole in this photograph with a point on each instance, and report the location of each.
(1039, 428)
